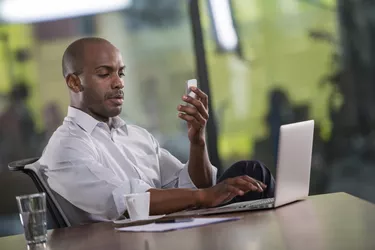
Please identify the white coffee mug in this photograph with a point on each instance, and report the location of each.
(138, 205)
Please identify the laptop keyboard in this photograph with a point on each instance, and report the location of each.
(251, 204)
(240, 206)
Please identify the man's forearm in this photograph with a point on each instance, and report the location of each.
(165, 201)
(199, 168)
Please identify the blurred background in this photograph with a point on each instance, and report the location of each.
(263, 64)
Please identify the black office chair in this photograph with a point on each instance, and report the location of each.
(32, 169)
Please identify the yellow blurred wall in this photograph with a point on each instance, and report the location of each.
(20, 36)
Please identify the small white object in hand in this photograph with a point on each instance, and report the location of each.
(191, 83)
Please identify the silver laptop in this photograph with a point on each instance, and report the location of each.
(292, 172)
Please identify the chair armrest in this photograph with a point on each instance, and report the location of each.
(20, 164)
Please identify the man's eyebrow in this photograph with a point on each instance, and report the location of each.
(104, 66)
(108, 67)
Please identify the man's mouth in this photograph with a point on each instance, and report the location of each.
(116, 99)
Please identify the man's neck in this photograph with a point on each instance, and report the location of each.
(100, 118)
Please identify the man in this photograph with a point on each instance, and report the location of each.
(94, 158)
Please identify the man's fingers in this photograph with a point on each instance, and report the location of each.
(234, 190)
(201, 95)
(199, 105)
(247, 183)
(192, 112)
(262, 184)
(256, 182)
(255, 185)
(240, 184)
(190, 119)
(250, 186)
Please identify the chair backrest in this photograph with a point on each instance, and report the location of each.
(32, 168)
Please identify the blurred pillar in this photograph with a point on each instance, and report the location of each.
(357, 80)
(202, 73)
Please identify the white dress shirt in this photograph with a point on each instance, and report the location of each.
(93, 166)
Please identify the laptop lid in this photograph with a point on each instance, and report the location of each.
(294, 162)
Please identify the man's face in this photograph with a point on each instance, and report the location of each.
(102, 81)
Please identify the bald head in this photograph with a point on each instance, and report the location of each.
(74, 55)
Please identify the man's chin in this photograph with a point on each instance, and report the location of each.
(114, 111)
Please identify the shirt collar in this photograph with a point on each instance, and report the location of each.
(88, 123)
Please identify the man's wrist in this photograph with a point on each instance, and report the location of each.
(198, 146)
(199, 197)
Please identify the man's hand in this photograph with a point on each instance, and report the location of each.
(228, 189)
(165, 201)
(196, 116)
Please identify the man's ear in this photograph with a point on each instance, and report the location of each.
(74, 83)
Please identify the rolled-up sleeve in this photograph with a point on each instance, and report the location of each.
(74, 172)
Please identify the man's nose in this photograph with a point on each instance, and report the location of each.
(117, 83)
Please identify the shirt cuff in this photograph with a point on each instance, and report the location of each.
(184, 180)
(136, 186)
